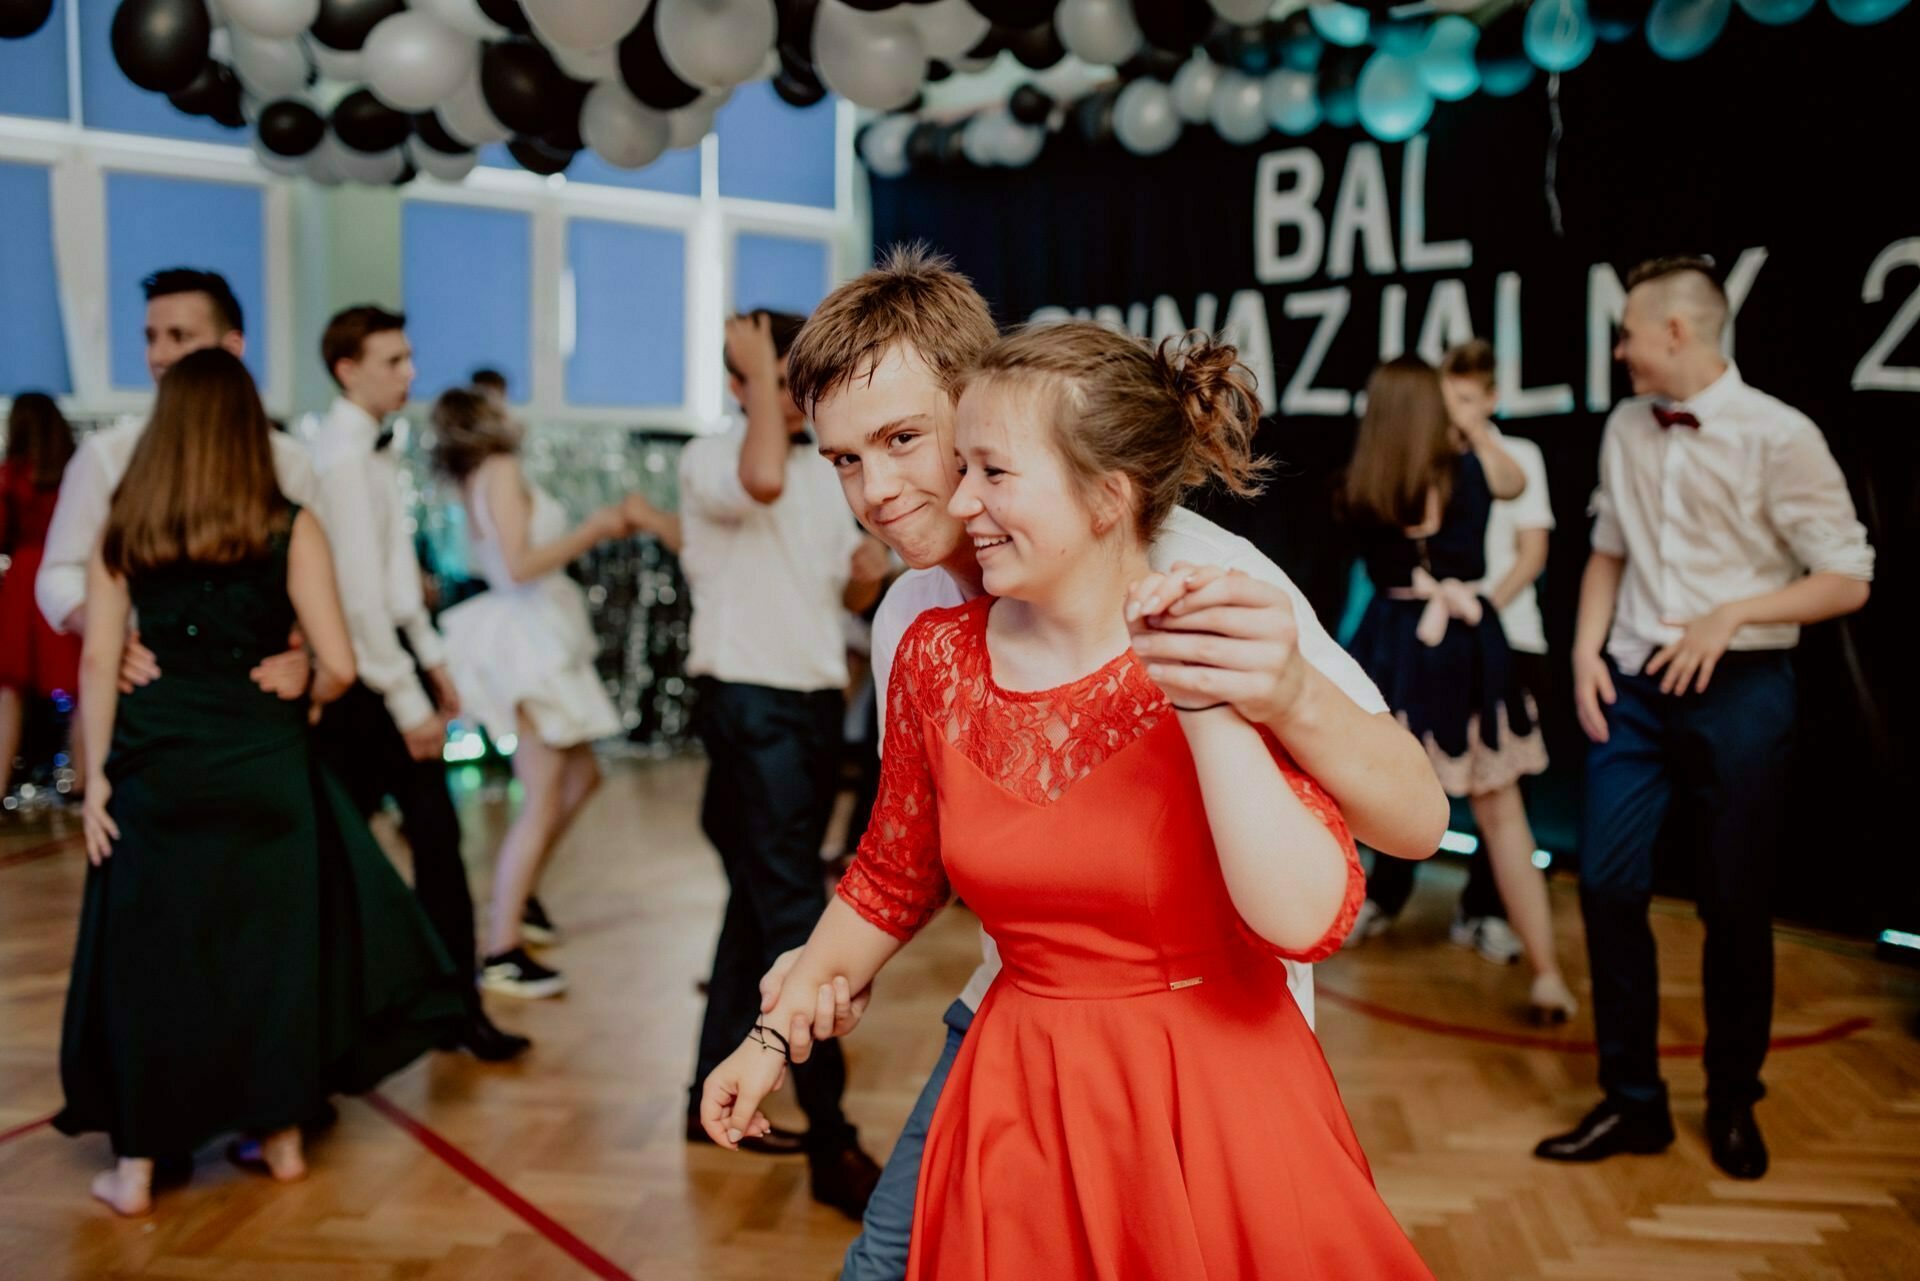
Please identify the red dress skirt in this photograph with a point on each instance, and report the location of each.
(34, 659)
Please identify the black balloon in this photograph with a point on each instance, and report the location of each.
(1339, 80)
(937, 71)
(1177, 25)
(406, 175)
(537, 157)
(344, 24)
(522, 84)
(1503, 39)
(214, 93)
(990, 45)
(21, 18)
(1030, 105)
(508, 14)
(872, 6)
(1017, 13)
(793, 31)
(1161, 64)
(645, 69)
(289, 128)
(365, 123)
(1037, 46)
(161, 45)
(563, 117)
(427, 127)
(1249, 49)
(1093, 116)
(798, 88)
(1300, 46)
(934, 144)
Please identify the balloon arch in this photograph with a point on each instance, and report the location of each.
(377, 91)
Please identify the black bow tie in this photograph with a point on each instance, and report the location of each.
(383, 440)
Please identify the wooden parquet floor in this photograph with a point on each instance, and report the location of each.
(571, 1164)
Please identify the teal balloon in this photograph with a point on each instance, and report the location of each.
(1778, 13)
(1864, 13)
(1559, 35)
(1406, 36)
(1394, 105)
(1504, 77)
(1292, 104)
(1446, 65)
(1681, 29)
(1342, 24)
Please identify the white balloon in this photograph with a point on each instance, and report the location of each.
(466, 116)
(462, 15)
(414, 61)
(968, 66)
(948, 28)
(372, 167)
(1019, 143)
(588, 65)
(1193, 89)
(1291, 101)
(874, 60)
(270, 68)
(627, 133)
(1144, 119)
(1101, 32)
(687, 125)
(322, 168)
(884, 146)
(338, 64)
(980, 140)
(1238, 110)
(220, 45)
(273, 162)
(1242, 12)
(715, 43)
(583, 24)
(271, 19)
(440, 164)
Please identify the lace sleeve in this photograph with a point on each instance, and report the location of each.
(1320, 804)
(897, 882)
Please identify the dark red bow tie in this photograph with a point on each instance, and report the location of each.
(1671, 418)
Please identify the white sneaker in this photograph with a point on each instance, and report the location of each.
(1490, 936)
(515, 973)
(1370, 923)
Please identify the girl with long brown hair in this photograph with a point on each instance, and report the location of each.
(245, 947)
(1419, 490)
(35, 660)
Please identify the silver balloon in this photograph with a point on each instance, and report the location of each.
(1019, 143)
(439, 164)
(715, 43)
(1193, 89)
(583, 24)
(948, 28)
(1242, 13)
(373, 167)
(467, 117)
(874, 60)
(884, 146)
(588, 65)
(1144, 119)
(627, 133)
(969, 66)
(346, 66)
(688, 125)
(1292, 103)
(414, 61)
(271, 19)
(464, 16)
(273, 162)
(1101, 32)
(269, 68)
(322, 167)
(1238, 110)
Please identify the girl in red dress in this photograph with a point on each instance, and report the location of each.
(35, 660)
(1139, 1096)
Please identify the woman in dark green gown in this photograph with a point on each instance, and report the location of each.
(245, 947)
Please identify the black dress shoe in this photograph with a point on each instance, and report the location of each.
(1610, 1129)
(488, 1043)
(844, 1178)
(1734, 1137)
(777, 1142)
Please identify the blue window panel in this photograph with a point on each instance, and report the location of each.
(467, 279)
(677, 173)
(770, 150)
(630, 302)
(153, 223)
(33, 346)
(33, 72)
(781, 273)
(108, 100)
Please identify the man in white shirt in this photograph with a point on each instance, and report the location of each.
(188, 310)
(384, 736)
(1722, 525)
(878, 365)
(768, 551)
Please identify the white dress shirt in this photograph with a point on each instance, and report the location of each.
(360, 504)
(1742, 506)
(86, 498)
(767, 578)
(1186, 536)
(1533, 509)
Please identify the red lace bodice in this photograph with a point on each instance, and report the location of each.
(1033, 747)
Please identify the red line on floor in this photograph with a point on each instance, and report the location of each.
(18, 1131)
(478, 1175)
(35, 852)
(1525, 1041)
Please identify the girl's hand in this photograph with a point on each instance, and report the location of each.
(730, 1099)
(100, 829)
(1210, 635)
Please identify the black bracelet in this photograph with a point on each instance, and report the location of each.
(759, 1037)
(1209, 707)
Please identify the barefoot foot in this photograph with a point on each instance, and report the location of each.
(127, 1188)
(282, 1152)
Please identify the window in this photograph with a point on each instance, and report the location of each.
(33, 72)
(467, 280)
(180, 222)
(33, 346)
(783, 273)
(108, 100)
(629, 314)
(772, 151)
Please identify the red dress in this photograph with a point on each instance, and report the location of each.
(1139, 1098)
(34, 659)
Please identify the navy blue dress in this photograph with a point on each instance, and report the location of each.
(1462, 698)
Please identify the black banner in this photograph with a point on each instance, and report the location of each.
(1778, 152)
